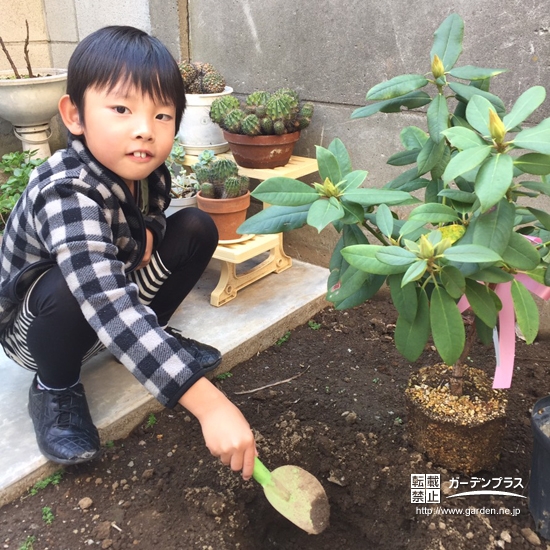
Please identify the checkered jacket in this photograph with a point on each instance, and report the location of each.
(78, 215)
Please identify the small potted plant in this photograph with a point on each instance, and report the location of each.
(203, 85)
(28, 100)
(464, 256)
(263, 130)
(224, 195)
(16, 169)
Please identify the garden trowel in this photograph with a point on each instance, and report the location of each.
(295, 494)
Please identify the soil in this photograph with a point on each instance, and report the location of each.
(341, 416)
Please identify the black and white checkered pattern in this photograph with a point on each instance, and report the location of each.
(77, 214)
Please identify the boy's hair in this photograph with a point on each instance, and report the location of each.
(130, 56)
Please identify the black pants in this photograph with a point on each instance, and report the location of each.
(59, 337)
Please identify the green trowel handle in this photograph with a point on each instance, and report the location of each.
(261, 474)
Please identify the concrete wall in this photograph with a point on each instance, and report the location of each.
(333, 51)
(56, 27)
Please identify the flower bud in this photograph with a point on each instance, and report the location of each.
(426, 248)
(438, 69)
(496, 127)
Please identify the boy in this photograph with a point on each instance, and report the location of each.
(90, 261)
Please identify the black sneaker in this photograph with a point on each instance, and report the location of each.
(207, 356)
(64, 429)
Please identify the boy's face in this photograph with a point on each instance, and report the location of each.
(127, 131)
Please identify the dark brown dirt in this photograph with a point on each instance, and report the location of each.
(343, 419)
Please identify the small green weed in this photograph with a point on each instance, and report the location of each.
(313, 325)
(376, 380)
(224, 375)
(110, 444)
(29, 543)
(47, 515)
(151, 421)
(284, 338)
(54, 479)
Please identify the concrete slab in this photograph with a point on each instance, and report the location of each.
(253, 321)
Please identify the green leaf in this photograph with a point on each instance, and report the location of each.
(352, 180)
(453, 281)
(471, 253)
(413, 137)
(525, 105)
(466, 93)
(430, 155)
(338, 149)
(447, 326)
(520, 253)
(447, 43)
(493, 180)
(404, 297)
(493, 228)
(463, 138)
(283, 191)
(539, 186)
(493, 275)
(363, 256)
(328, 165)
(411, 337)
(433, 213)
(384, 220)
(395, 255)
(414, 100)
(533, 163)
(396, 87)
(536, 139)
(527, 313)
(465, 161)
(542, 216)
(371, 197)
(477, 114)
(403, 158)
(457, 195)
(481, 301)
(469, 72)
(323, 212)
(415, 271)
(438, 117)
(275, 219)
(484, 333)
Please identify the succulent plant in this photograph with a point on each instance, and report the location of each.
(201, 78)
(220, 179)
(263, 113)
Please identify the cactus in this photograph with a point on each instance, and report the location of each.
(232, 122)
(207, 190)
(263, 113)
(251, 125)
(222, 169)
(232, 188)
(245, 183)
(221, 106)
(201, 78)
(202, 173)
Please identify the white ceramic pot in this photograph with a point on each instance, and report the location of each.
(178, 204)
(30, 103)
(197, 131)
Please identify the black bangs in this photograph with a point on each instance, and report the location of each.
(129, 57)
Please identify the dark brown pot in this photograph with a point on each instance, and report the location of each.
(261, 151)
(227, 214)
(463, 435)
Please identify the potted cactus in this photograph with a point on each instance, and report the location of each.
(203, 85)
(263, 130)
(224, 195)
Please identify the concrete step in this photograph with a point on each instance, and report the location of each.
(254, 320)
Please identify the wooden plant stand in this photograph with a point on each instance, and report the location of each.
(232, 255)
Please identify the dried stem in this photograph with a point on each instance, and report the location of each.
(13, 67)
(457, 376)
(26, 51)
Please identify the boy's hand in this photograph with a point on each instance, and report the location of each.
(148, 249)
(226, 432)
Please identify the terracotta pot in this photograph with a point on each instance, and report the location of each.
(227, 214)
(463, 435)
(261, 151)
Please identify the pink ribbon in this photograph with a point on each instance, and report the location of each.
(505, 339)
